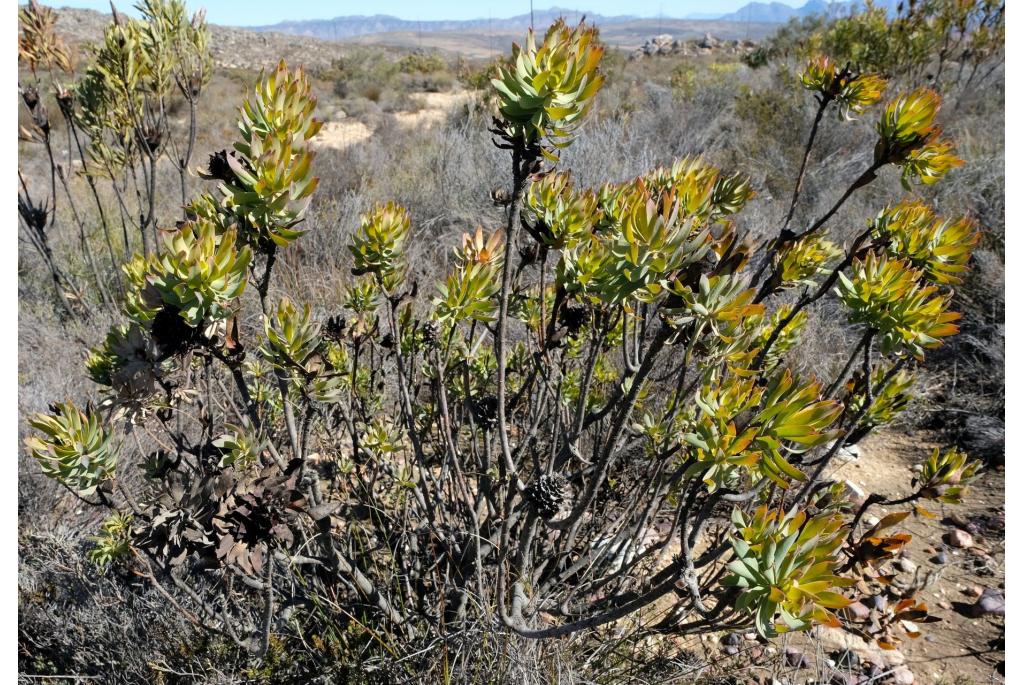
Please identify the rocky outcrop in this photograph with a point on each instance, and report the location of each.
(665, 45)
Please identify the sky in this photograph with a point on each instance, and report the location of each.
(261, 12)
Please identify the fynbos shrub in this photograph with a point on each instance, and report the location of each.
(591, 413)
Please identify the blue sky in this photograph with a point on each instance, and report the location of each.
(256, 12)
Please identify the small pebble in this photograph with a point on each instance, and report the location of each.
(795, 658)
(878, 602)
(902, 676)
(958, 538)
(847, 659)
(857, 611)
(906, 565)
(990, 602)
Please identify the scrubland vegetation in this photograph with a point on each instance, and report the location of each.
(539, 394)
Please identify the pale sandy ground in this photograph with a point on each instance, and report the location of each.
(434, 107)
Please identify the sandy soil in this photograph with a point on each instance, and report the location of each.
(433, 109)
(959, 650)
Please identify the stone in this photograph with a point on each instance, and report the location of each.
(709, 42)
(732, 639)
(731, 650)
(857, 611)
(871, 521)
(795, 658)
(906, 565)
(943, 604)
(847, 660)
(991, 602)
(750, 636)
(848, 453)
(958, 538)
(854, 493)
(941, 558)
(974, 591)
(878, 602)
(957, 520)
(902, 676)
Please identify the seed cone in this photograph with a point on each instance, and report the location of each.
(546, 495)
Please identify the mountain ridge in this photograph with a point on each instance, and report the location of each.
(355, 26)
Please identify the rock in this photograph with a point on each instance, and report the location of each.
(750, 636)
(755, 652)
(854, 493)
(731, 650)
(847, 660)
(957, 520)
(708, 42)
(878, 602)
(991, 602)
(848, 453)
(958, 538)
(943, 604)
(918, 468)
(974, 591)
(902, 676)
(732, 639)
(795, 658)
(941, 558)
(906, 565)
(857, 611)
(871, 521)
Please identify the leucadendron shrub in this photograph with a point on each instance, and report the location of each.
(130, 114)
(593, 412)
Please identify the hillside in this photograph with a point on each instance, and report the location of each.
(623, 31)
(627, 36)
(311, 44)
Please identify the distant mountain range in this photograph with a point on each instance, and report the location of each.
(341, 28)
(779, 13)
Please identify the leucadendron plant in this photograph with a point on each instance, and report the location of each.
(595, 411)
(117, 108)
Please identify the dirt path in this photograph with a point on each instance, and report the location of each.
(960, 646)
(959, 650)
(433, 109)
